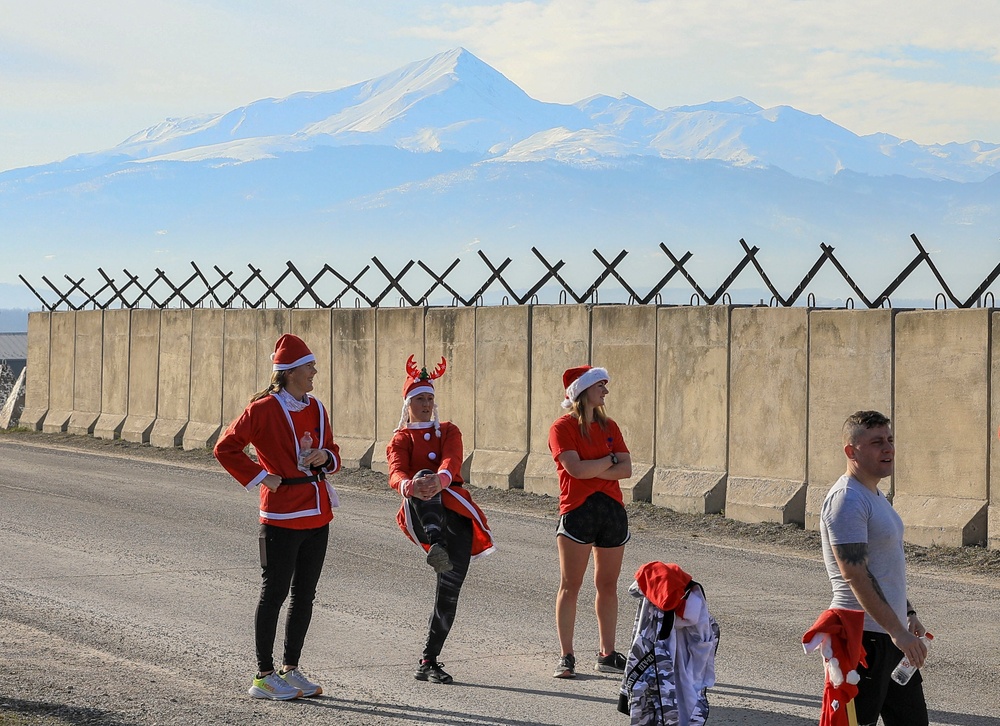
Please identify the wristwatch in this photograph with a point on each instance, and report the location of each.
(614, 459)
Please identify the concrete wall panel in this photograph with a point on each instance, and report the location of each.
(36, 395)
(400, 334)
(205, 418)
(692, 409)
(242, 376)
(767, 415)
(560, 337)
(173, 393)
(62, 360)
(993, 510)
(850, 369)
(313, 326)
(271, 325)
(502, 385)
(114, 374)
(624, 342)
(87, 373)
(942, 425)
(451, 333)
(353, 404)
(143, 375)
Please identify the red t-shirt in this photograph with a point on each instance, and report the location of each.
(564, 435)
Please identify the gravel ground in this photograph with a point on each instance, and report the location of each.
(968, 563)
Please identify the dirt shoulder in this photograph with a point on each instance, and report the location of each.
(969, 562)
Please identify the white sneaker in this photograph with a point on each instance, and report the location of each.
(274, 687)
(296, 679)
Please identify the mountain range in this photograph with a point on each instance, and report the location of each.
(446, 155)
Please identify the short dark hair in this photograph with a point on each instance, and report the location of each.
(862, 421)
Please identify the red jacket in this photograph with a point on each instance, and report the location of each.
(413, 449)
(274, 432)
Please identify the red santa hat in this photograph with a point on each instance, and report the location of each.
(291, 352)
(579, 379)
(664, 585)
(418, 381)
(836, 634)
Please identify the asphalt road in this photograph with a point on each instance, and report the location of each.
(128, 590)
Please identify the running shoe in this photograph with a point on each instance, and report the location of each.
(437, 557)
(614, 662)
(566, 667)
(272, 686)
(296, 679)
(430, 670)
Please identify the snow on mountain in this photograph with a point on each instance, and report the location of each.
(422, 160)
(455, 102)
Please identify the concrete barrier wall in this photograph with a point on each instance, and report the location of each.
(173, 393)
(767, 415)
(314, 327)
(742, 405)
(503, 353)
(624, 342)
(993, 514)
(207, 366)
(850, 369)
(242, 375)
(353, 401)
(62, 360)
(36, 389)
(451, 333)
(942, 425)
(143, 375)
(87, 372)
(399, 334)
(561, 337)
(115, 347)
(692, 409)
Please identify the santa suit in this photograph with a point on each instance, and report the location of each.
(419, 447)
(836, 634)
(275, 432)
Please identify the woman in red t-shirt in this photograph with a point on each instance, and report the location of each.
(591, 457)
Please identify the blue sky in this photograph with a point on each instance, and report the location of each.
(83, 76)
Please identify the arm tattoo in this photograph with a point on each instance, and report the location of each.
(878, 590)
(856, 553)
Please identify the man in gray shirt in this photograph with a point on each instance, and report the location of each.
(863, 550)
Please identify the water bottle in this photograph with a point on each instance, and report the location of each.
(905, 670)
(305, 447)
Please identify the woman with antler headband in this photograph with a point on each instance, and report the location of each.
(425, 466)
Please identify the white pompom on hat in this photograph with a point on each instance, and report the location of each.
(291, 352)
(579, 379)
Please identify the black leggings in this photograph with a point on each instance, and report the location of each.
(291, 559)
(458, 541)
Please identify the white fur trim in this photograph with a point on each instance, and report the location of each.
(288, 366)
(581, 384)
(418, 390)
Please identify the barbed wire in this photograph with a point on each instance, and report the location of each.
(291, 288)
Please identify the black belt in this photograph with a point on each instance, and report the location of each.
(305, 479)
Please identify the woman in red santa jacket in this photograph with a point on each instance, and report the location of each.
(437, 512)
(290, 431)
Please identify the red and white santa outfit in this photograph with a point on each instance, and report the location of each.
(836, 634)
(450, 518)
(295, 518)
(434, 445)
(274, 425)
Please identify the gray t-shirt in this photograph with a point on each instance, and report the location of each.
(853, 513)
